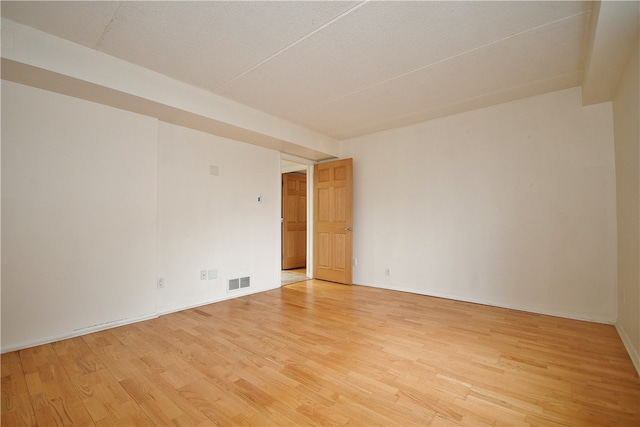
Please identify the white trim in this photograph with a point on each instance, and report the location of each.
(292, 169)
(535, 310)
(78, 332)
(309, 165)
(633, 354)
(296, 159)
(109, 325)
(310, 197)
(230, 295)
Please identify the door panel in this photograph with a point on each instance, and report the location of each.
(323, 251)
(333, 239)
(294, 221)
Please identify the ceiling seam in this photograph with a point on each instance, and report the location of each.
(356, 129)
(108, 27)
(424, 67)
(300, 40)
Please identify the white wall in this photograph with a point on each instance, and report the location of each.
(78, 215)
(215, 222)
(626, 118)
(512, 205)
(97, 202)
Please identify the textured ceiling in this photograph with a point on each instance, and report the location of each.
(341, 68)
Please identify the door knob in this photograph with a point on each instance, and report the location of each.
(347, 229)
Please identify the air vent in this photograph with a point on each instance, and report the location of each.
(245, 282)
(240, 283)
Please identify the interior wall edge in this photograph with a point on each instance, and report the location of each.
(628, 345)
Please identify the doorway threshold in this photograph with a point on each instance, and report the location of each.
(288, 277)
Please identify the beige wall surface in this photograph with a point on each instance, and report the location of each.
(215, 222)
(626, 118)
(512, 205)
(97, 203)
(79, 196)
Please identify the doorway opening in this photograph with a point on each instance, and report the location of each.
(295, 220)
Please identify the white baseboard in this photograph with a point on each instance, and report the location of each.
(77, 333)
(117, 323)
(535, 310)
(635, 358)
(633, 354)
(228, 296)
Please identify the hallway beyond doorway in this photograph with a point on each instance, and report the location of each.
(294, 275)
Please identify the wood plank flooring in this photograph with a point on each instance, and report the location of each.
(317, 353)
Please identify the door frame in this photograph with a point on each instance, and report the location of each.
(309, 165)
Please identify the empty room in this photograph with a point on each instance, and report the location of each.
(454, 187)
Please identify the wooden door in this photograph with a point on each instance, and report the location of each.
(332, 208)
(294, 221)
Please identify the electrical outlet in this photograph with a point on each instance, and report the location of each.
(212, 274)
(203, 274)
(387, 272)
(160, 282)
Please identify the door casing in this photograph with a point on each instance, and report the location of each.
(309, 167)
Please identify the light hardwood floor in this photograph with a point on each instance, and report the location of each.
(316, 353)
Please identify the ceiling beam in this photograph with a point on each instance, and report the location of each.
(37, 59)
(613, 33)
